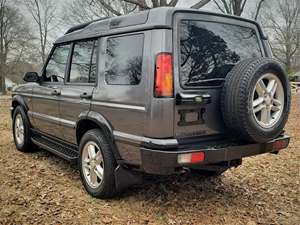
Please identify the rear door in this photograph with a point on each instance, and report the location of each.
(77, 92)
(206, 48)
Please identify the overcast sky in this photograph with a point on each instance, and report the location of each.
(62, 3)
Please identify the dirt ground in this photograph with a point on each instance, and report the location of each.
(40, 188)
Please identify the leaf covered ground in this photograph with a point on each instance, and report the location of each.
(40, 188)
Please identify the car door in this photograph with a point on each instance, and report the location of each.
(76, 94)
(46, 95)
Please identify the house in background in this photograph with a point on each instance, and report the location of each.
(9, 84)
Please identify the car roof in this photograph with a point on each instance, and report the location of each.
(157, 18)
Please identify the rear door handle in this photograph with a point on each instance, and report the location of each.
(55, 92)
(86, 95)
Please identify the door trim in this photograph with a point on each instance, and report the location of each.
(52, 119)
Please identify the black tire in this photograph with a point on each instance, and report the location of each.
(236, 100)
(107, 188)
(27, 145)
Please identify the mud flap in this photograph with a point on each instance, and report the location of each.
(125, 178)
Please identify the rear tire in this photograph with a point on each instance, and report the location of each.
(97, 165)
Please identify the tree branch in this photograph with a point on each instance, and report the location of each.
(173, 3)
(258, 9)
(200, 4)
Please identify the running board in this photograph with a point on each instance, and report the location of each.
(64, 151)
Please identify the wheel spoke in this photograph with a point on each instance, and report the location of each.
(260, 88)
(93, 177)
(91, 151)
(21, 130)
(271, 85)
(86, 165)
(265, 115)
(99, 158)
(258, 108)
(18, 122)
(276, 102)
(99, 171)
(276, 108)
(273, 91)
(257, 101)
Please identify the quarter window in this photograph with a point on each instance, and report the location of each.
(83, 64)
(124, 60)
(56, 67)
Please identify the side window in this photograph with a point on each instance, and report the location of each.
(124, 57)
(83, 64)
(56, 67)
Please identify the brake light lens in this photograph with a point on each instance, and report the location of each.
(163, 76)
(191, 158)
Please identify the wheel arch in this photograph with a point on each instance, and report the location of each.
(16, 101)
(94, 120)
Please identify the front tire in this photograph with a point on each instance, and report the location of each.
(21, 131)
(97, 165)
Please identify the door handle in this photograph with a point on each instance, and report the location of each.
(86, 95)
(55, 92)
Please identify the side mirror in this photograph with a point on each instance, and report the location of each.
(31, 77)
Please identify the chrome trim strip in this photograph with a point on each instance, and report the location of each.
(81, 101)
(117, 105)
(138, 140)
(52, 119)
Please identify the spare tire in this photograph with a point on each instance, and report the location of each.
(255, 100)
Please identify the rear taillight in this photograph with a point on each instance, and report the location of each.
(163, 86)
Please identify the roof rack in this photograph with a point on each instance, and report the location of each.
(83, 25)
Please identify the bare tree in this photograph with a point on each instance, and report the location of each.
(86, 10)
(43, 13)
(237, 7)
(14, 36)
(283, 24)
(81, 11)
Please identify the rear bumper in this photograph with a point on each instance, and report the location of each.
(166, 161)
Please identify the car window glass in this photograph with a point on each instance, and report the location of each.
(209, 50)
(124, 60)
(56, 67)
(81, 62)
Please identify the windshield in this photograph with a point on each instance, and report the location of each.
(209, 50)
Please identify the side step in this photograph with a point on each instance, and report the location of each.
(64, 151)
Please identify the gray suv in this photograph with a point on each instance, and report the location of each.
(160, 91)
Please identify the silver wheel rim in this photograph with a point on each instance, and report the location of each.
(19, 129)
(268, 100)
(92, 164)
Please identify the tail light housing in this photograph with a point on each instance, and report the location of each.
(191, 158)
(163, 87)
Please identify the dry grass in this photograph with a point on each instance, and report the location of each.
(39, 188)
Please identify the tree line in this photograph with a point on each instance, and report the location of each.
(28, 28)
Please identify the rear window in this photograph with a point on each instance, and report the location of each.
(209, 50)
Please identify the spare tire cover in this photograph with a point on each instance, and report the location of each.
(255, 100)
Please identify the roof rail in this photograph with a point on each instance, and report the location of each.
(83, 25)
